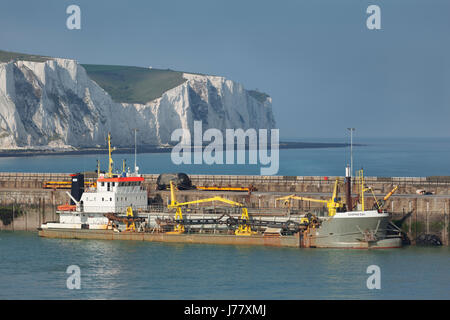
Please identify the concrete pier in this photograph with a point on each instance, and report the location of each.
(24, 204)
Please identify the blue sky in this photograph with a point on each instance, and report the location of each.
(323, 68)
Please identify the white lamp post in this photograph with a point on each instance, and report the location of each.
(351, 150)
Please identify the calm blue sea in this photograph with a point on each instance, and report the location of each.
(405, 157)
(35, 268)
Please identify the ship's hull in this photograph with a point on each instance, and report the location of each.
(354, 230)
(206, 238)
(357, 232)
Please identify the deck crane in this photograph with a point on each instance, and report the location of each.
(378, 204)
(130, 226)
(243, 229)
(333, 204)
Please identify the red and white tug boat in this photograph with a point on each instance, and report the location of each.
(112, 193)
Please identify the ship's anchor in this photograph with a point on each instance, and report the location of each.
(369, 235)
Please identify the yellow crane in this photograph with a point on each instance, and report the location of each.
(129, 220)
(130, 226)
(362, 188)
(332, 205)
(110, 150)
(386, 197)
(380, 203)
(242, 230)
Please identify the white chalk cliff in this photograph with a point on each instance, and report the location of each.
(54, 104)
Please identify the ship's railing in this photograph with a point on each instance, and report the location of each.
(110, 208)
(263, 211)
(200, 210)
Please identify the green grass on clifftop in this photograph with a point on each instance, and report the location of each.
(6, 56)
(124, 83)
(133, 84)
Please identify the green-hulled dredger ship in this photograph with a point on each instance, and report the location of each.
(116, 208)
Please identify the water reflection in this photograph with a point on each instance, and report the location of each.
(34, 268)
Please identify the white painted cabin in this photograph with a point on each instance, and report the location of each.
(115, 195)
(111, 195)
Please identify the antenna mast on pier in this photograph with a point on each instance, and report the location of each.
(351, 150)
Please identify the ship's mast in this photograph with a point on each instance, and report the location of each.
(110, 150)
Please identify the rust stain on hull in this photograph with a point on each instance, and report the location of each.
(257, 240)
(299, 240)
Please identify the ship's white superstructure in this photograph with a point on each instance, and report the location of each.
(115, 195)
(111, 194)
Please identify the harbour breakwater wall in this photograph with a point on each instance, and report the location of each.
(439, 185)
(24, 204)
